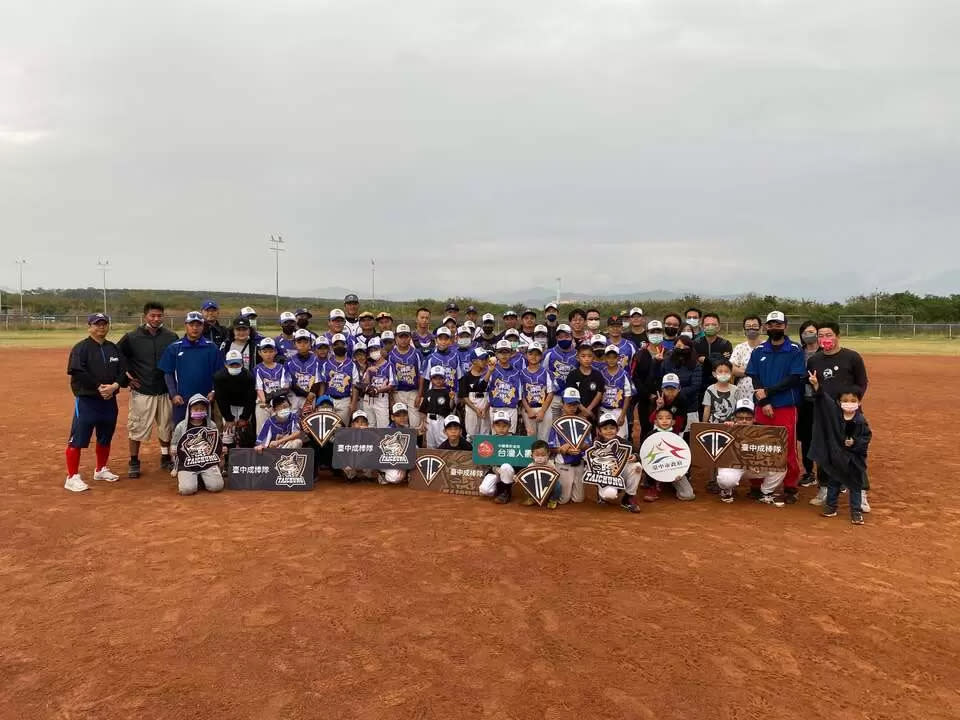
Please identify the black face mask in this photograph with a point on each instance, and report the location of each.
(551, 318)
(775, 335)
(303, 322)
(681, 355)
(288, 328)
(339, 351)
(671, 331)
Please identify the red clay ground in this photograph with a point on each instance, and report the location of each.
(366, 602)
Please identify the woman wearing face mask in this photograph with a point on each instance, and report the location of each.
(741, 356)
(646, 381)
(671, 330)
(810, 345)
(683, 363)
(236, 397)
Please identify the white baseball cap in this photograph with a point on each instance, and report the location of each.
(359, 344)
(234, 357)
(563, 327)
(636, 311)
(386, 335)
(464, 330)
(337, 313)
(535, 347)
(605, 418)
(470, 324)
(487, 317)
(745, 404)
(338, 337)
(447, 319)
(549, 305)
(670, 380)
(503, 345)
(443, 330)
(654, 325)
(513, 332)
(268, 342)
(287, 317)
(776, 316)
(248, 312)
(373, 342)
(571, 395)
(301, 334)
(403, 329)
(358, 414)
(321, 340)
(501, 416)
(451, 420)
(612, 349)
(437, 371)
(598, 339)
(399, 408)
(540, 330)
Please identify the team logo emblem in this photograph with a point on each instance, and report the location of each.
(290, 469)
(320, 425)
(665, 456)
(572, 429)
(605, 463)
(538, 481)
(393, 449)
(198, 449)
(714, 442)
(430, 466)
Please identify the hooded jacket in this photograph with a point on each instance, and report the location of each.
(827, 447)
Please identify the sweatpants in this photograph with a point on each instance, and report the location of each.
(505, 473)
(783, 417)
(187, 480)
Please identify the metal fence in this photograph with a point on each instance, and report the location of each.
(732, 330)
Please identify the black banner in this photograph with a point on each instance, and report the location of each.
(270, 469)
(538, 481)
(198, 449)
(375, 448)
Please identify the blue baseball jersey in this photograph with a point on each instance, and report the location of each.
(303, 372)
(448, 361)
(337, 377)
(617, 389)
(379, 378)
(273, 428)
(465, 357)
(627, 351)
(535, 386)
(406, 368)
(273, 381)
(559, 363)
(285, 347)
(425, 344)
(503, 388)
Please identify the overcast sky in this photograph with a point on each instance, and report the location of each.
(483, 146)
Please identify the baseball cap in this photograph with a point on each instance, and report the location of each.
(654, 325)
(234, 357)
(287, 317)
(614, 320)
(448, 318)
(373, 342)
(636, 311)
(192, 316)
(366, 314)
(386, 335)
(471, 309)
(452, 307)
(338, 337)
(607, 418)
(512, 332)
(540, 330)
(350, 298)
(585, 345)
(323, 400)
(94, 318)
(501, 416)
(487, 318)
(535, 346)
(550, 305)
(268, 342)
(241, 322)
(744, 404)
(337, 314)
(571, 395)
(303, 311)
(612, 349)
(403, 329)
(480, 354)
(450, 420)
(437, 371)
(209, 305)
(529, 311)
(670, 380)
(509, 313)
(321, 340)
(464, 330)
(443, 330)
(776, 316)
(384, 314)
(248, 312)
(563, 327)
(598, 339)
(358, 414)
(503, 345)
(399, 408)
(302, 334)
(470, 324)
(359, 345)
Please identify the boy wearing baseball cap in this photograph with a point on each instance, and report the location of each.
(569, 458)
(670, 398)
(235, 393)
(617, 389)
(536, 393)
(270, 379)
(608, 427)
(559, 361)
(665, 420)
(359, 419)
(376, 385)
(486, 338)
(503, 388)
(453, 429)
(284, 341)
(443, 356)
(399, 418)
(498, 482)
(336, 377)
(303, 368)
(436, 403)
(472, 394)
(405, 360)
(729, 478)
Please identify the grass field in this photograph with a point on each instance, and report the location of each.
(867, 346)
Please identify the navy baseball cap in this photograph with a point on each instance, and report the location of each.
(351, 298)
(303, 311)
(471, 309)
(452, 306)
(193, 316)
(241, 322)
(94, 318)
(209, 305)
(530, 311)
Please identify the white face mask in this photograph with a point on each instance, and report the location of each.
(374, 355)
(687, 334)
(593, 324)
(463, 342)
(234, 370)
(283, 414)
(850, 407)
(693, 322)
(655, 339)
(723, 377)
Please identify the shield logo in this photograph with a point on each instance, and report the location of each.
(201, 442)
(607, 459)
(320, 425)
(292, 465)
(430, 466)
(393, 447)
(572, 429)
(538, 481)
(714, 442)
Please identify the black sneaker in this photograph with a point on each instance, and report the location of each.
(790, 498)
(807, 480)
(713, 488)
(726, 496)
(630, 506)
(771, 499)
(828, 512)
(755, 493)
(133, 469)
(856, 518)
(166, 462)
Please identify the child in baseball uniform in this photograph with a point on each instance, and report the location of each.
(359, 419)
(198, 415)
(569, 458)
(617, 388)
(303, 369)
(336, 375)
(536, 394)
(608, 427)
(437, 402)
(729, 478)
(498, 482)
(503, 388)
(376, 384)
(664, 420)
(453, 429)
(473, 395)
(321, 348)
(271, 380)
(399, 418)
(540, 452)
(282, 428)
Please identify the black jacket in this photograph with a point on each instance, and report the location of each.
(93, 364)
(141, 351)
(214, 332)
(827, 447)
(234, 390)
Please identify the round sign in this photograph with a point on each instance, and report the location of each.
(485, 449)
(665, 456)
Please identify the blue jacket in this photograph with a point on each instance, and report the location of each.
(781, 371)
(188, 367)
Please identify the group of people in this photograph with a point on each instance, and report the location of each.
(475, 374)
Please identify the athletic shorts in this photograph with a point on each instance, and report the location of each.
(89, 414)
(144, 412)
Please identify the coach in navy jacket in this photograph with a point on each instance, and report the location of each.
(189, 365)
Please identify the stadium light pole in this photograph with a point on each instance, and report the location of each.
(373, 280)
(20, 262)
(275, 243)
(876, 301)
(558, 292)
(104, 265)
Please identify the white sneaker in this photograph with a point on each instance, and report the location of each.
(75, 483)
(105, 474)
(821, 497)
(864, 505)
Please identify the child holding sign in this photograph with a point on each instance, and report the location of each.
(729, 478)
(540, 452)
(498, 482)
(569, 457)
(197, 443)
(608, 428)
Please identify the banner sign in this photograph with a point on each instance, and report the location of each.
(499, 449)
(198, 449)
(375, 448)
(270, 469)
(446, 471)
(572, 429)
(605, 463)
(665, 456)
(757, 449)
(538, 481)
(320, 425)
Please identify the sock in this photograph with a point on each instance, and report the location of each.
(73, 461)
(103, 454)
(134, 459)
(164, 450)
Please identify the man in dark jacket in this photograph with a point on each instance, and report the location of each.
(150, 403)
(96, 373)
(236, 397)
(212, 329)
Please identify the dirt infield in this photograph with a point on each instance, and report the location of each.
(367, 602)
